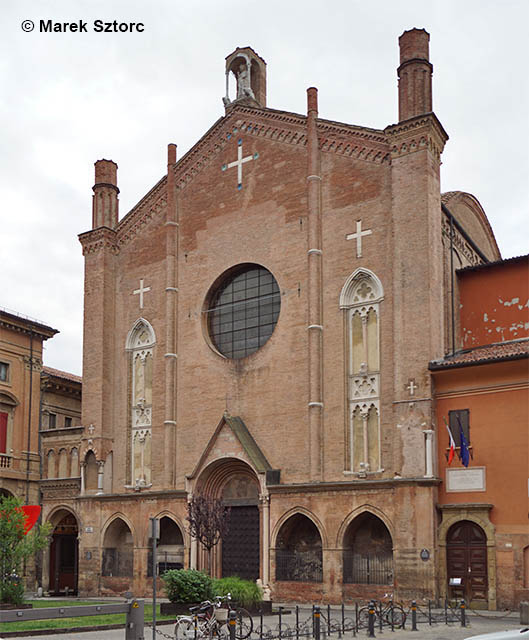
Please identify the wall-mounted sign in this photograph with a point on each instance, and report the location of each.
(456, 582)
(425, 554)
(88, 555)
(89, 529)
(465, 479)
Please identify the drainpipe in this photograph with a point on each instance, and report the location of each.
(29, 412)
(452, 282)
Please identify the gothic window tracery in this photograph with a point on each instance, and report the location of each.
(360, 299)
(140, 344)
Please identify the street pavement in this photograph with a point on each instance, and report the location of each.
(484, 622)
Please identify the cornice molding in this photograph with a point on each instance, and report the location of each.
(353, 485)
(60, 488)
(98, 239)
(416, 134)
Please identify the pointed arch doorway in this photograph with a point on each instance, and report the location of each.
(235, 482)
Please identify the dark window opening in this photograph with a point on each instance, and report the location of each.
(456, 418)
(4, 372)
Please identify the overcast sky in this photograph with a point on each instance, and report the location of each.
(68, 99)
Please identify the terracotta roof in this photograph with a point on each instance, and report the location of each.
(62, 374)
(486, 265)
(513, 350)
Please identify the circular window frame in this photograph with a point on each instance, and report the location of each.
(218, 284)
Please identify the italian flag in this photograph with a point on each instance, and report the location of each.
(452, 443)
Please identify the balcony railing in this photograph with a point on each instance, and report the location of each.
(5, 461)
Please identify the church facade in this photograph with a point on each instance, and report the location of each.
(259, 328)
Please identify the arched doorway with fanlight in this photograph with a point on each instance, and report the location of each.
(64, 553)
(466, 563)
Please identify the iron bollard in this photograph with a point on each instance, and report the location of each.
(316, 622)
(430, 612)
(329, 619)
(135, 619)
(371, 621)
(463, 614)
(232, 621)
(195, 625)
(414, 616)
(280, 620)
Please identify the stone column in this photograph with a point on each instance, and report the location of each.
(100, 472)
(194, 554)
(265, 514)
(429, 452)
(82, 466)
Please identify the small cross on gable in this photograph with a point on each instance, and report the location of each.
(239, 162)
(358, 236)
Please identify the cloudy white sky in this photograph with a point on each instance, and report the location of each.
(68, 99)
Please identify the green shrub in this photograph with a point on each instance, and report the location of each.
(187, 585)
(244, 592)
(12, 590)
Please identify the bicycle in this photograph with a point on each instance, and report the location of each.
(212, 621)
(391, 614)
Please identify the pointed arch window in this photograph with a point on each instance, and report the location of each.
(360, 300)
(140, 344)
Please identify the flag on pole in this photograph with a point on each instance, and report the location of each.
(465, 454)
(452, 443)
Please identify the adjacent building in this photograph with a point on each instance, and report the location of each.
(482, 390)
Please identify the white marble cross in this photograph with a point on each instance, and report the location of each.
(411, 387)
(358, 235)
(239, 162)
(141, 291)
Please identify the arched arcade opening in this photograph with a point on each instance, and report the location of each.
(367, 552)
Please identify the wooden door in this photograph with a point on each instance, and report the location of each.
(63, 563)
(466, 554)
(240, 549)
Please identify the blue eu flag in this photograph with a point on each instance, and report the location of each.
(465, 456)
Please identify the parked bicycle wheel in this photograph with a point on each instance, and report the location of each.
(397, 614)
(244, 626)
(185, 630)
(363, 617)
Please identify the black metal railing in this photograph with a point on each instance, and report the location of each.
(299, 566)
(367, 568)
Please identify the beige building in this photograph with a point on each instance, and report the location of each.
(259, 327)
